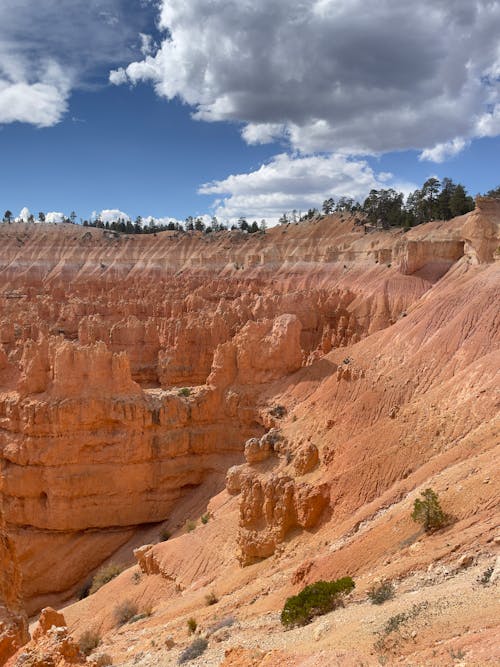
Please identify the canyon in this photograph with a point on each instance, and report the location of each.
(296, 389)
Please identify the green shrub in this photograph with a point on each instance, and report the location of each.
(165, 535)
(190, 526)
(226, 622)
(485, 577)
(315, 600)
(124, 611)
(139, 617)
(278, 411)
(194, 650)
(192, 625)
(428, 512)
(379, 594)
(105, 574)
(185, 391)
(205, 518)
(89, 641)
(211, 598)
(84, 592)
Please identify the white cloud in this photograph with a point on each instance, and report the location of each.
(111, 215)
(55, 217)
(295, 182)
(118, 76)
(24, 215)
(333, 75)
(147, 44)
(444, 151)
(32, 93)
(150, 220)
(47, 49)
(488, 124)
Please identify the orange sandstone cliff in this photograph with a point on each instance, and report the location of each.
(303, 386)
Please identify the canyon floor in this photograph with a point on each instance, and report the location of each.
(231, 417)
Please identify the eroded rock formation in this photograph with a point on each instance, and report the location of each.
(133, 369)
(13, 621)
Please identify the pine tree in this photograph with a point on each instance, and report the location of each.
(428, 512)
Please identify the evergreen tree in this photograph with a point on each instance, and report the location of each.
(243, 224)
(460, 202)
(428, 512)
(328, 206)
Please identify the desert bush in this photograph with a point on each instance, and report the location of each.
(379, 594)
(89, 641)
(278, 411)
(84, 592)
(427, 511)
(165, 535)
(124, 611)
(485, 577)
(315, 600)
(104, 575)
(192, 625)
(136, 578)
(185, 391)
(190, 526)
(205, 518)
(211, 598)
(226, 622)
(144, 614)
(194, 650)
(394, 622)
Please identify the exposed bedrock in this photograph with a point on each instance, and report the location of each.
(13, 621)
(133, 369)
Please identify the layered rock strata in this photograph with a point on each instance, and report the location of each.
(133, 369)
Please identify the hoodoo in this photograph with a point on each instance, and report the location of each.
(296, 390)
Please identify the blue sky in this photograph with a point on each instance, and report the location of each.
(293, 101)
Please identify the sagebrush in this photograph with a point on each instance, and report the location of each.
(124, 611)
(104, 575)
(89, 641)
(194, 650)
(315, 600)
(379, 594)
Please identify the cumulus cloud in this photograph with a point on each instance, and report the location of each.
(443, 151)
(45, 53)
(111, 215)
(55, 217)
(150, 221)
(295, 182)
(24, 215)
(333, 75)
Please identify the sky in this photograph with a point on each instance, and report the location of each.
(170, 108)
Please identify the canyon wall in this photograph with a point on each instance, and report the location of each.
(134, 369)
(13, 621)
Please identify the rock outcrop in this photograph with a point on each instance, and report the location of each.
(134, 369)
(272, 502)
(13, 621)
